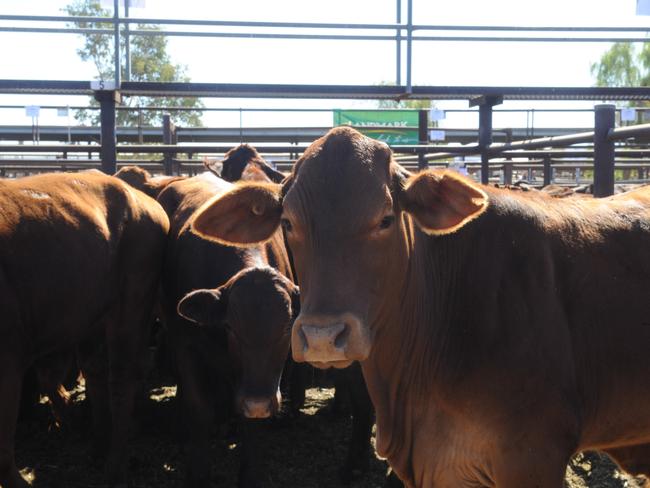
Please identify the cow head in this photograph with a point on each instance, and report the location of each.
(244, 156)
(256, 307)
(347, 213)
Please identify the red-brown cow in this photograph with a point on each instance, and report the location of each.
(499, 332)
(81, 260)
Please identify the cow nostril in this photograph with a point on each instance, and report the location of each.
(303, 339)
(341, 338)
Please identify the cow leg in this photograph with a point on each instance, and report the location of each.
(10, 385)
(634, 460)
(127, 347)
(251, 469)
(94, 365)
(358, 458)
(198, 413)
(52, 372)
(297, 375)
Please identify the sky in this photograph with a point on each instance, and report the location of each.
(53, 56)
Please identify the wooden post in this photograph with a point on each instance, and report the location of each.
(605, 119)
(107, 100)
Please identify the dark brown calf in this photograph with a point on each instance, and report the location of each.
(244, 297)
(499, 332)
(81, 259)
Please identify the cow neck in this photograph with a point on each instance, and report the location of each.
(411, 364)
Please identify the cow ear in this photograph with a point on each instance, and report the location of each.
(246, 215)
(442, 201)
(204, 307)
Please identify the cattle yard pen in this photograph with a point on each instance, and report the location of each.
(599, 151)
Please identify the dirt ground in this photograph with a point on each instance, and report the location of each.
(304, 452)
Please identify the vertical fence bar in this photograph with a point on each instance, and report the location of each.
(604, 121)
(116, 30)
(548, 171)
(398, 77)
(423, 137)
(507, 164)
(127, 43)
(485, 104)
(169, 137)
(485, 139)
(409, 44)
(108, 152)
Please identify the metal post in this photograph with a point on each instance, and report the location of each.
(127, 43)
(398, 77)
(423, 137)
(605, 120)
(116, 30)
(107, 100)
(485, 104)
(547, 170)
(409, 43)
(168, 138)
(507, 165)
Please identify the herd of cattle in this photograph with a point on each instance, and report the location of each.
(498, 331)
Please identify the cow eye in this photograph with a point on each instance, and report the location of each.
(387, 221)
(286, 225)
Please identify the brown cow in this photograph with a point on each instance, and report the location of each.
(499, 332)
(81, 261)
(244, 299)
(141, 179)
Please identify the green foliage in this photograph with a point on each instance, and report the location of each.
(149, 62)
(622, 65)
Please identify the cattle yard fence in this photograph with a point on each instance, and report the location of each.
(600, 151)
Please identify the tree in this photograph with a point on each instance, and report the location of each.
(623, 65)
(149, 62)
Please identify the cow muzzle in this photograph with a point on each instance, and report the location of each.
(260, 407)
(326, 341)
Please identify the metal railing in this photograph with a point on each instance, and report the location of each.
(403, 33)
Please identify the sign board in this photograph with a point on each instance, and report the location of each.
(628, 114)
(62, 112)
(643, 7)
(132, 3)
(102, 85)
(389, 126)
(32, 110)
(437, 135)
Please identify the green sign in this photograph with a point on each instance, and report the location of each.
(389, 126)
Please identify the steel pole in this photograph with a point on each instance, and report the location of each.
(409, 44)
(108, 152)
(398, 77)
(604, 122)
(127, 43)
(116, 35)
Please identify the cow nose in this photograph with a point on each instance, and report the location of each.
(328, 341)
(258, 408)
